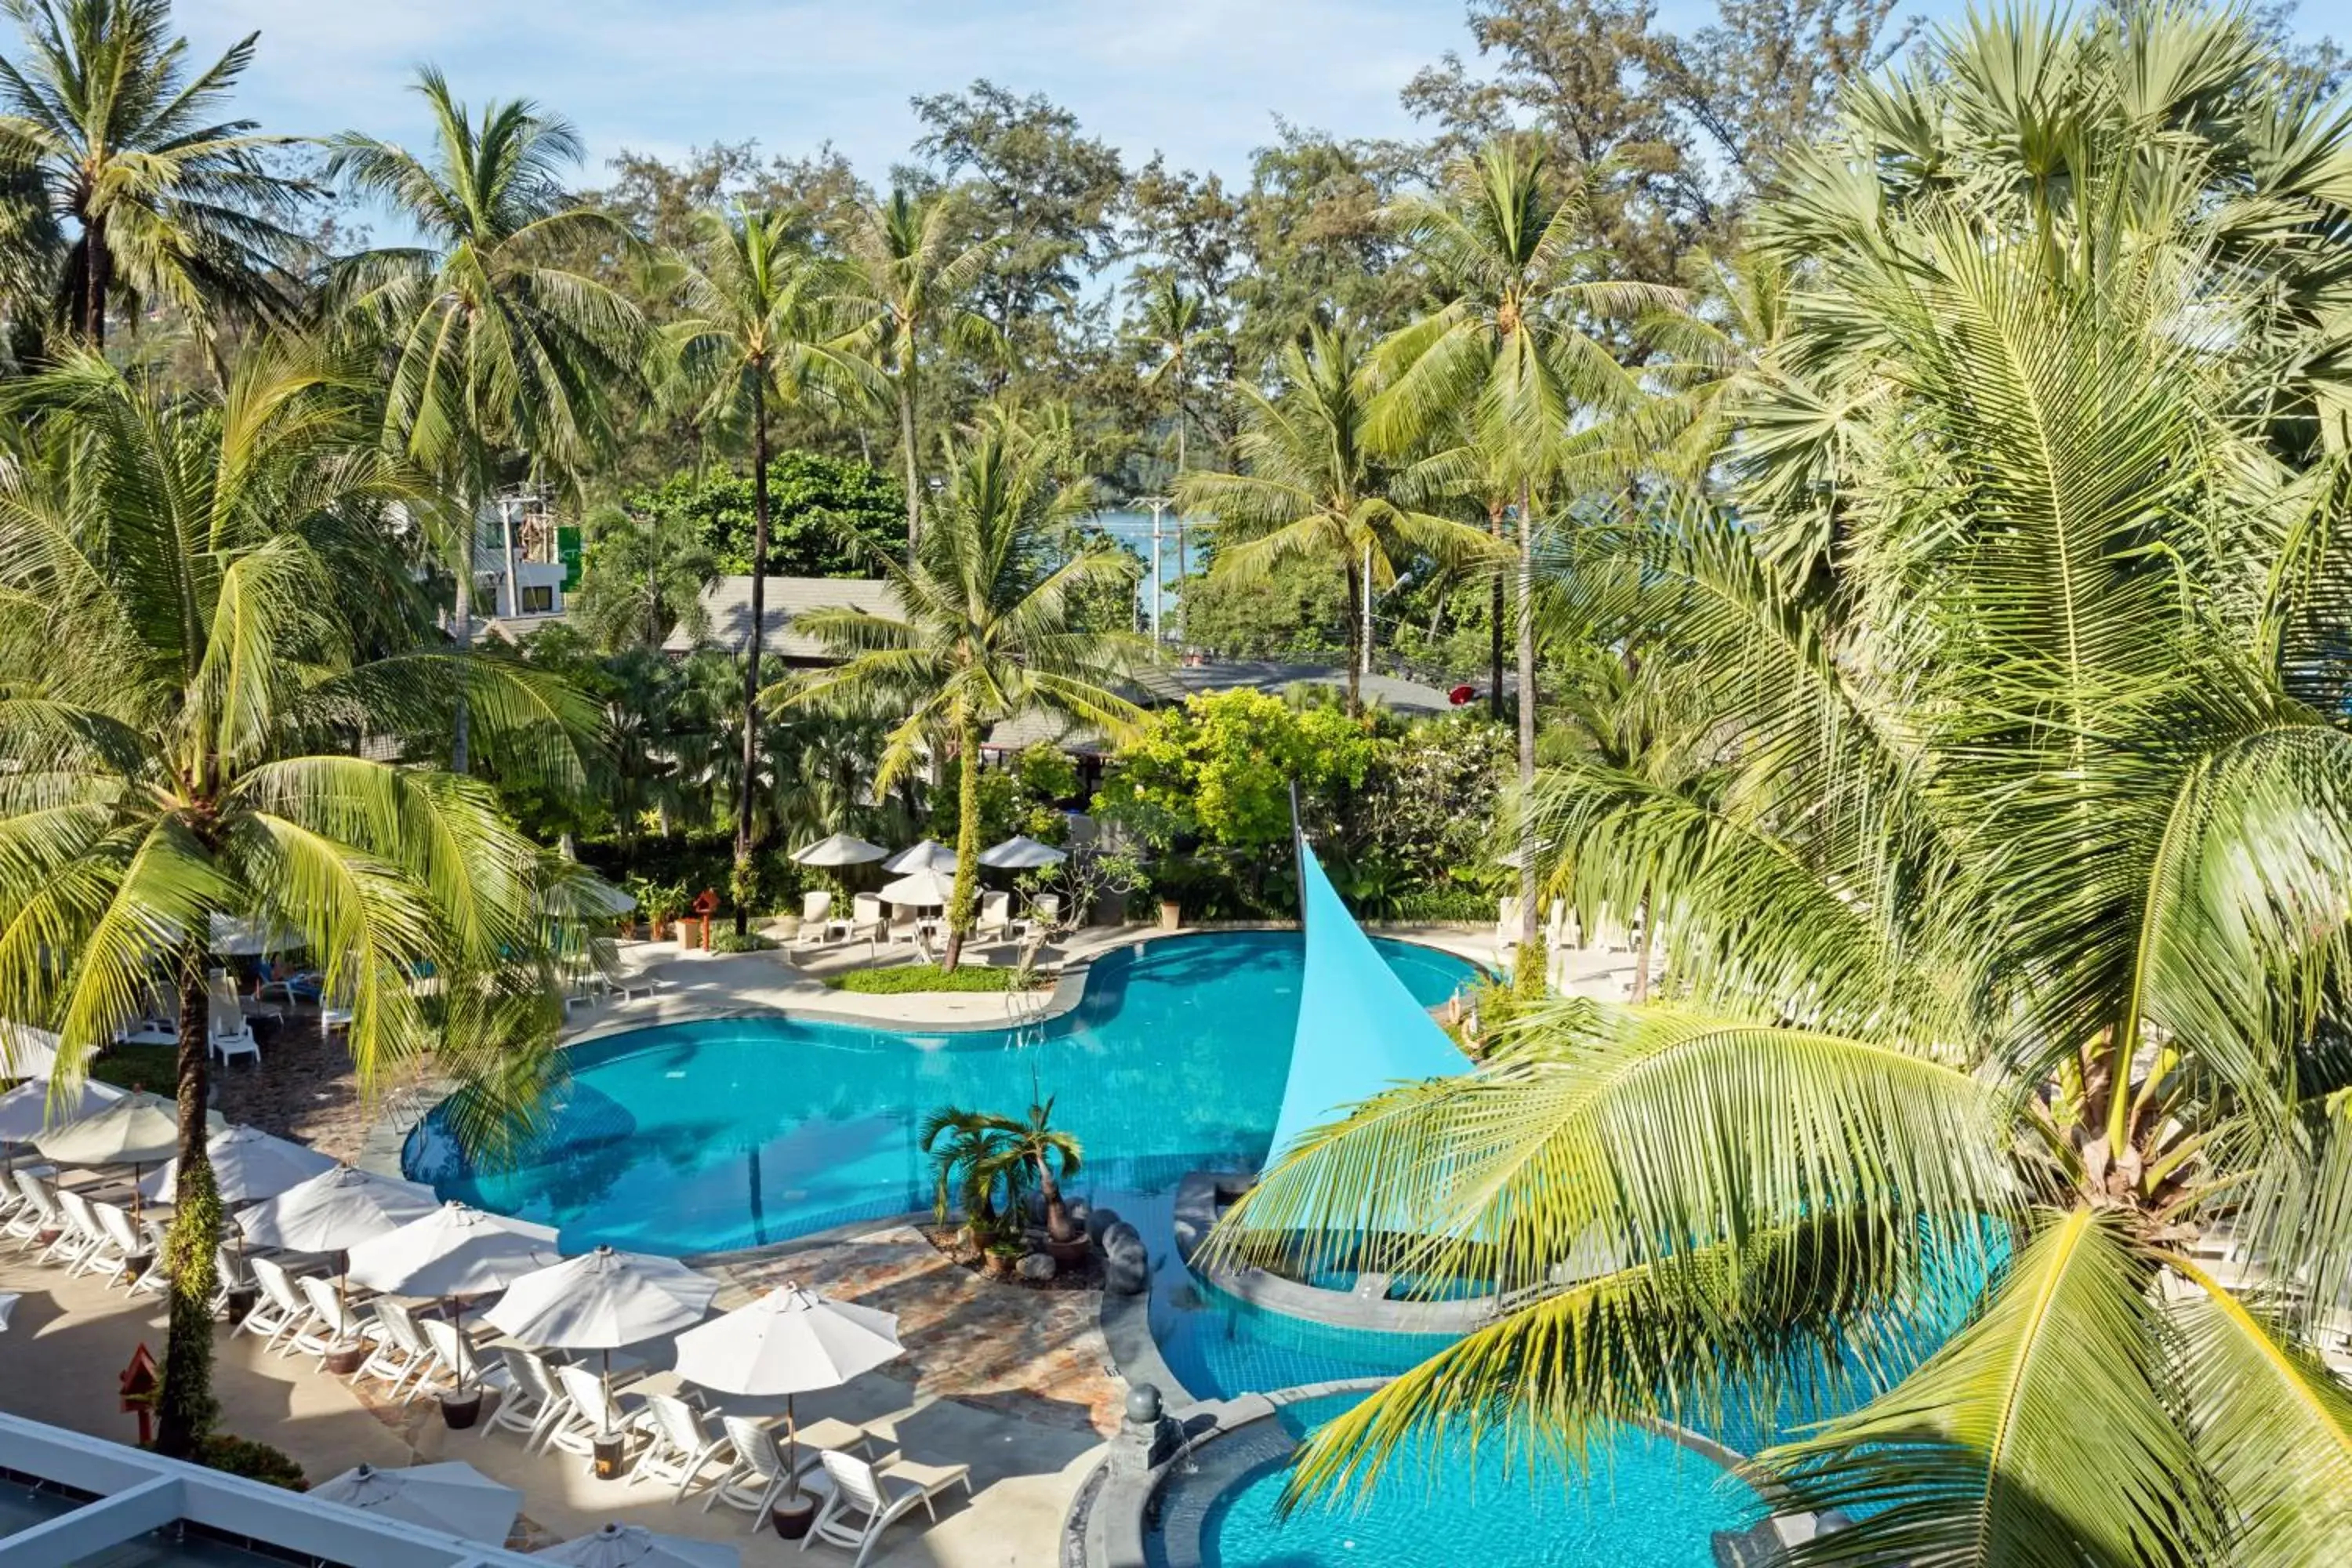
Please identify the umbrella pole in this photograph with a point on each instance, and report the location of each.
(791, 1449)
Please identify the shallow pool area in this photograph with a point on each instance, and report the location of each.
(739, 1132)
(1649, 1502)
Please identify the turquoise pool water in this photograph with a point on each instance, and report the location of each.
(1649, 1503)
(739, 1132)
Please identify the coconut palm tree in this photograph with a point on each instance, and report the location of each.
(1314, 486)
(760, 326)
(984, 629)
(914, 274)
(1174, 329)
(110, 134)
(1512, 354)
(496, 344)
(2009, 950)
(644, 578)
(180, 588)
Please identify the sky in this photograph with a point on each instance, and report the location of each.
(1202, 80)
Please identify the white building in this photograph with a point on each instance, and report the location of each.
(525, 560)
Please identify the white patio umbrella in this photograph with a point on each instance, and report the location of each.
(25, 1109)
(27, 1052)
(789, 1342)
(248, 1163)
(456, 1250)
(602, 1300)
(335, 1211)
(930, 855)
(1020, 853)
(453, 1253)
(454, 1498)
(920, 888)
(137, 1130)
(634, 1546)
(840, 849)
(8, 1299)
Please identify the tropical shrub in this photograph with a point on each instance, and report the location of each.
(253, 1459)
(828, 516)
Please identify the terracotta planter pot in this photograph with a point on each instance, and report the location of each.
(998, 1265)
(1171, 915)
(345, 1360)
(1066, 1252)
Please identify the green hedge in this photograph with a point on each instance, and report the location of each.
(724, 940)
(906, 978)
(1448, 904)
(252, 1459)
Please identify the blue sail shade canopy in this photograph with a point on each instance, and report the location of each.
(1359, 1029)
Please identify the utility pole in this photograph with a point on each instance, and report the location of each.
(506, 532)
(1367, 653)
(1158, 504)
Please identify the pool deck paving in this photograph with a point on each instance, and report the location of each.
(69, 1339)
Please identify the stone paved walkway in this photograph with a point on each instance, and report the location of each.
(1038, 1355)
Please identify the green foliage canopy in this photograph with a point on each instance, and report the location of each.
(829, 516)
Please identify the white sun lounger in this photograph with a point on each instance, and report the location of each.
(682, 1446)
(533, 1404)
(869, 1498)
(229, 1036)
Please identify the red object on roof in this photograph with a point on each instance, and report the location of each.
(1462, 694)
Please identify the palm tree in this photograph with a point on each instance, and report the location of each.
(2010, 944)
(496, 343)
(984, 629)
(1511, 355)
(1175, 329)
(1314, 486)
(110, 134)
(759, 326)
(914, 275)
(978, 1158)
(644, 578)
(181, 589)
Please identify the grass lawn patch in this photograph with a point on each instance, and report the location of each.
(905, 978)
(155, 1068)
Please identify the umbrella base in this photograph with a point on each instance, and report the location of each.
(794, 1516)
(606, 1457)
(460, 1411)
(241, 1302)
(347, 1358)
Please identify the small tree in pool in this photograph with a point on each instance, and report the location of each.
(979, 1161)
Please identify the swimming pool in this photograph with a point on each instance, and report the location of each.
(738, 1133)
(1649, 1503)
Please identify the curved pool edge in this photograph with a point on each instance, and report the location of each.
(1110, 1517)
(1069, 986)
(1201, 1195)
(384, 1141)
